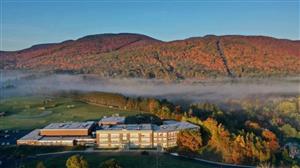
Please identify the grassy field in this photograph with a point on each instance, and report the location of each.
(126, 161)
(34, 112)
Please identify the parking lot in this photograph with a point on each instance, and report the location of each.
(9, 137)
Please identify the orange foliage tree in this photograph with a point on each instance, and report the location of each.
(271, 140)
(190, 139)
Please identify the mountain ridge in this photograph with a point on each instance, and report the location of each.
(137, 55)
(189, 38)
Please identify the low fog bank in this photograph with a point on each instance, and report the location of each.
(13, 83)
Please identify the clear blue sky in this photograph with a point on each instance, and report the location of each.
(25, 23)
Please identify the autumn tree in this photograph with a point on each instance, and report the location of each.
(287, 107)
(165, 112)
(290, 131)
(154, 105)
(220, 138)
(244, 147)
(111, 163)
(40, 164)
(250, 148)
(271, 140)
(190, 139)
(76, 161)
(194, 120)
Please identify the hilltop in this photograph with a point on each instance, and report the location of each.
(136, 55)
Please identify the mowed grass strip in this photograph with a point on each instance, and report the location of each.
(35, 112)
(126, 161)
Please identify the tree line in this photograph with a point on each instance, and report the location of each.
(250, 136)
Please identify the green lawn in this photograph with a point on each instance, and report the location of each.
(32, 112)
(125, 160)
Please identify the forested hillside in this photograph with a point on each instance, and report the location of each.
(134, 55)
(256, 132)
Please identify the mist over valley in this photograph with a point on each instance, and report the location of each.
(22, 83)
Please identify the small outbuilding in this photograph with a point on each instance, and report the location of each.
(113, 120)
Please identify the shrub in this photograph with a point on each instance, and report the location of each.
(76, 161)
(111, 163)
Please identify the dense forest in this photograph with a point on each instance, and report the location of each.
(140, 56)
(256, 132)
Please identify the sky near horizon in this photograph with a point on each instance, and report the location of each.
(28, 22)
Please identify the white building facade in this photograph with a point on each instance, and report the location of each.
(141, 135)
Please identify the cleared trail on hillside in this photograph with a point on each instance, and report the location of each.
(224, 60)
